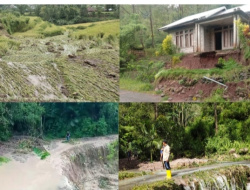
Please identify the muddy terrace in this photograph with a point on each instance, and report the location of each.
(60, 68)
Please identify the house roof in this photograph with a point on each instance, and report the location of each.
(206, 15)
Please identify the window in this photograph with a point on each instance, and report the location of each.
(177, 39)
(184, 38)
(231, 36)
(181, 39)
(225, 38)
(191, 39)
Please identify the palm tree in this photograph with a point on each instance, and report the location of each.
(151, 137)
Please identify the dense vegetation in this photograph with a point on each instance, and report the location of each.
(53, 120)
(192, 130)
(65, 14)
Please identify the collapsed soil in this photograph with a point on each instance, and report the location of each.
(137, 165)
(59, 68)
(53, 173)
(235, 91)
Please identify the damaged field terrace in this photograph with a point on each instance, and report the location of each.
(60, 63)
(182, 84)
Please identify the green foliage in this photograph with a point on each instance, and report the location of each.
(160, 185)
(128, 83)
(4, 160)
(140, 75)
(222, 145)
(125, 175)
(221, 63)
(189, 128)
(55, 119)
(216, 96)
(113, 150)
(53, 32)
(13, 23)
(131, 36)
(7, 44)
(175, 60)
(230, 66)
(81, 27)
(168, 46)
(244, 32)
(40, 153)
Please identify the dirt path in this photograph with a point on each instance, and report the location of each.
(129, 183)
(43, 174)
(129, 96)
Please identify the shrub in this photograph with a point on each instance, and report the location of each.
(244, 38)
(175, 60)
(53, 32)
(221, 63)
(40, 153)
(110, 38)
(100, 35)
(91, 25)
(81, 27)
(82, 37)
(168, 46)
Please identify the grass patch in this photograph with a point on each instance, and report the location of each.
(108, 28)
(217, 96)
(229, 68)
(135, 85)
(160, 185)
(41, 29)
(124, 174)
(4, 160)
(7, 44)
(40, 153)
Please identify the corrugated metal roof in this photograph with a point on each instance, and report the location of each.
(244, 8)
(204, 15)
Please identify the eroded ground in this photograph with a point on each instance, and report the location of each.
(60, 69)
(56, 171)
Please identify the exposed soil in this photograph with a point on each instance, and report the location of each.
(53, 173)
(201, 90)
(208, 60)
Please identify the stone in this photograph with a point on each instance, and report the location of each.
(243, 151)
(236, 155)
(91, 63)
(72, 56)
(170, 99)
(162, 95)
(231, 151)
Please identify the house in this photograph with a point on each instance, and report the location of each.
(208, 31)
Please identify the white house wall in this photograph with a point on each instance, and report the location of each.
(184, 49)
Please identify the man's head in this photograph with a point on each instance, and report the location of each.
(164, 142)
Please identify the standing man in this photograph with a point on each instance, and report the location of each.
(166, 154)
(68, 136)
